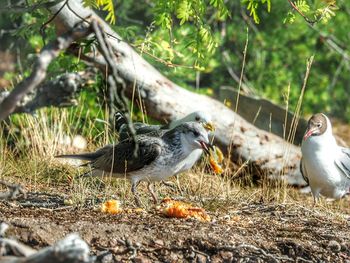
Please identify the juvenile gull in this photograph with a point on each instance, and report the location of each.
(325, 166)
(158, 130)
(158, 158)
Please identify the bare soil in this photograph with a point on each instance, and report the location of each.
(256, 232)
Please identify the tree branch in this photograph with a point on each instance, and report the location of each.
(48, 53)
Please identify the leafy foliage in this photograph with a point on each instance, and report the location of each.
(321, 13)
(253, 7)
(106, 5)
(185, 40)
(193, 12)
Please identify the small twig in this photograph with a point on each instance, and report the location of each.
(113, 79)
(129, 247)
(43, 27)
(308, 20)
(200, 253)
(272, 258)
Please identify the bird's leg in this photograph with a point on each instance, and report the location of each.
(171, 185)
(134, 191)
(150, 189)
(316, 199)
(175, 187)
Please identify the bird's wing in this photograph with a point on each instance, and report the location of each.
(303, 171)
(120, 157)
(140, 128)
(343, 161)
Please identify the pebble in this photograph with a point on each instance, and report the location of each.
(334, 246)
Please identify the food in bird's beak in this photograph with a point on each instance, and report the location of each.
(206, 147)
(209, 126)
(111, 207)
(178, 209)
(215, 159)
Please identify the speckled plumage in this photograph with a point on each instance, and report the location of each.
(158, 157)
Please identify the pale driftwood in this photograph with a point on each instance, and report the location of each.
(264, 114)
(71, 249)
(266, 153)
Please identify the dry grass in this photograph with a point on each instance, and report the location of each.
(269, 219)
(31, 163)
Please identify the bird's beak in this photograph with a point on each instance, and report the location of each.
(308, 133)
(209, 126)
(206, 147)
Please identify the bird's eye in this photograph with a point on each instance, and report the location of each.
(195, 133)
(319, 125)
(197, 118)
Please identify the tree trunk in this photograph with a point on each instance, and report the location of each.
(268, 154)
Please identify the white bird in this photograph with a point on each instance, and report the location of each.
(325, 166)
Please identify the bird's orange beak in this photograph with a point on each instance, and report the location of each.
(308, 133)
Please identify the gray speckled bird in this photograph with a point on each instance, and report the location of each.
(159, 130)
(158, 158)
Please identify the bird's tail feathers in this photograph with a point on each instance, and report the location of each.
(83, 156)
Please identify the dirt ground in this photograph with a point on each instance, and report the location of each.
(256, 232)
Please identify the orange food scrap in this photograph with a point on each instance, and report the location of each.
(111, 207)
(178, 209)
(215, 159)
(215, 165)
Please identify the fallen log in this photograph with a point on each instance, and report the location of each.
(268, 154)
(264, 114)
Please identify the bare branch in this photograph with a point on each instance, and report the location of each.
(48, 53)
